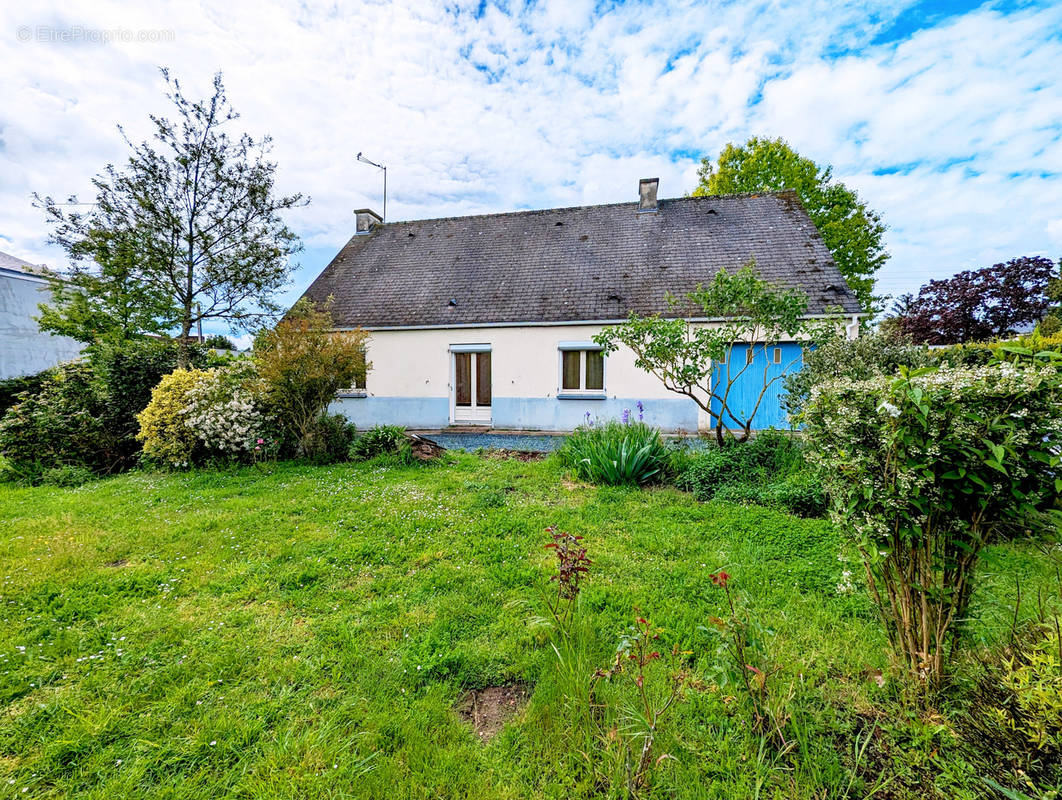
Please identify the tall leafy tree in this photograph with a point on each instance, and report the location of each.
(210, 234)
(1051, 324)
(981, 304)
(853, 232)
(107, 296)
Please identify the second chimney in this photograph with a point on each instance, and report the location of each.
(647, 194)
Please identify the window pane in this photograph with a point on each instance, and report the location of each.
(595, 369)
(778, 355)
(750, 354)
(570, 369)
(463, 378)
(482, 379)
(359, 376)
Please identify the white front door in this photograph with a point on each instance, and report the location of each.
(470, 389)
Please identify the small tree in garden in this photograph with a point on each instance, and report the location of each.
(200, 210)
(684, 355)
(303, 362)
(924, 468)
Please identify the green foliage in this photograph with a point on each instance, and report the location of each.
(1013, 709)
(167, 438)
(67, 475)
(869, 355)
(854, 234)
(926, 467)
(11, 388)
(127, 373)
(380, 440)
(303, 363)
(63, 423)
(218, 342)
(744, 662)
(798, 494)
(768, 470)
(685, 356)
(192, 217)
(615, 453)
(108, 296)
(84, 413)
(979, 353)
(330, 439)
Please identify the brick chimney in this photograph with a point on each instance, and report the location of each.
(647, 194)
(367, 219)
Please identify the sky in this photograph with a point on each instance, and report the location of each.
(945, 117)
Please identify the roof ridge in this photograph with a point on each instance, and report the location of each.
(530, 211)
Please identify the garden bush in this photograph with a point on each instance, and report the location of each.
(126, 374)
(167, 438)
(871, 354)
(379, 440)
(226, 411)
(615, 453)
(1013, 710)
(11, 388)
(303, 362)
(926, 467)
(329, 440)
(83, 413)
(973, 354)
(768, 470)
(62, 423)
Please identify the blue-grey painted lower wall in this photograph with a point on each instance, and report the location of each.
(516, 413)
(551, 414)
(409, 412)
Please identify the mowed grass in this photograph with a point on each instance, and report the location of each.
(306, 632)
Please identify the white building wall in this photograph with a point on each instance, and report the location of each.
(24, 348)
(410, 381)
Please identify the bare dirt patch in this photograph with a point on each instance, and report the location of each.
(519, 455)
(121, 562)
(488, 709)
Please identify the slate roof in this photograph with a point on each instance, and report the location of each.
(8, 261)
(590, 263)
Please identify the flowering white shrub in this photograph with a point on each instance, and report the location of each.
(923, 468)
(225, 411)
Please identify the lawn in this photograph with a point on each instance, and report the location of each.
(302, 631)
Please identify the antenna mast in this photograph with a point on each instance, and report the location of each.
(364, 160)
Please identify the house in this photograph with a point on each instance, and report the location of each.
(24, 348)
(489, 320)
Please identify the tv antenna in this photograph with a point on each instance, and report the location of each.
(364, 160)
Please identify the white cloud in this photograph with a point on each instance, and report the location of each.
(558, 104)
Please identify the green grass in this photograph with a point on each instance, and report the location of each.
(306, 632)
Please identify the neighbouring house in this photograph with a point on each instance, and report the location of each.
(488, 320)
(24, 347)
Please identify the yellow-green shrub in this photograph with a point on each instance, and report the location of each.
(166, 436)
(1033, 677)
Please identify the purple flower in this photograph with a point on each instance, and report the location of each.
(641, 408)
(626, 416)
